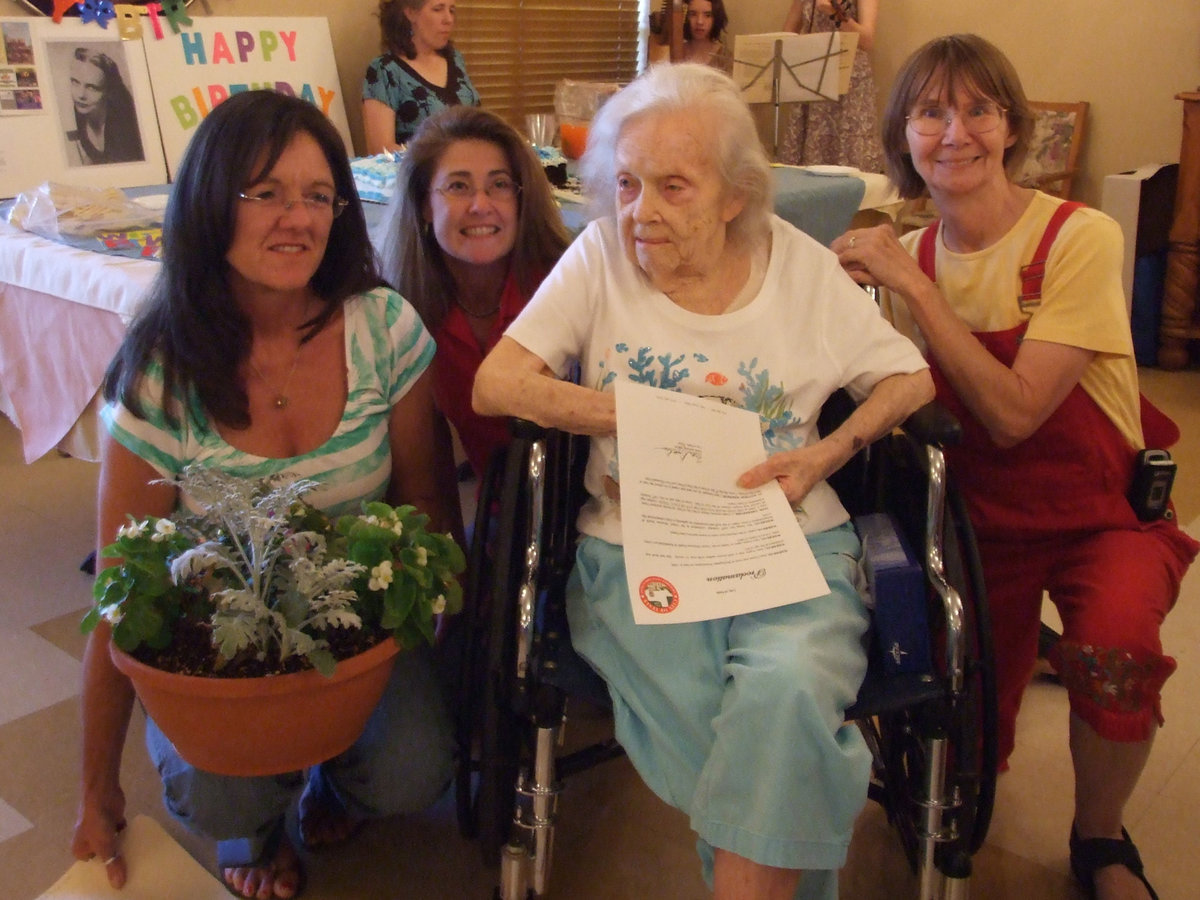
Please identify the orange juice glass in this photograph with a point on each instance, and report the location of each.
(574, 138)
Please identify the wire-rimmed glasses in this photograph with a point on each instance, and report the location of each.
(932, 119)
(318, 202)
(500, 187)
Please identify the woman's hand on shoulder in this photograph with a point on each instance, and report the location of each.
(875, 256)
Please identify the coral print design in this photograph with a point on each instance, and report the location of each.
(750, 388)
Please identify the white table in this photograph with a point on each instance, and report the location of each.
(63, 313)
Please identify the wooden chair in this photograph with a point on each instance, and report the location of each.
(1053, 158)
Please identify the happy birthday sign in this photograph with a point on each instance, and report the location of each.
(196, 69)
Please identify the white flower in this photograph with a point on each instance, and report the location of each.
(422, 556)
(439, 604)
(163, 529)
(381, 576)
(133, 529)
(398, 527)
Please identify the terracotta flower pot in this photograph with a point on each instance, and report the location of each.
(262, 726)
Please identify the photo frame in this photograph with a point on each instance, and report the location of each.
(87, 121)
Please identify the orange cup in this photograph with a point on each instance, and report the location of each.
(574, 138)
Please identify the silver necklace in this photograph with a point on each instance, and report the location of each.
(281, 397)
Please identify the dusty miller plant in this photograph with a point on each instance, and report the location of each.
(271, 575)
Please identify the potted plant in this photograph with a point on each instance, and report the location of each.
(223, 618)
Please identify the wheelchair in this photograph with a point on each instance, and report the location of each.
(931, 732)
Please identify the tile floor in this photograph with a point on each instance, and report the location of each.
(617, 842)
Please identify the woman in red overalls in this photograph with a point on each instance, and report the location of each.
(1016, 298)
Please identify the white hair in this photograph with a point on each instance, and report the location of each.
(712, 97)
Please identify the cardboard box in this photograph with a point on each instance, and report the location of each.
(897, 584)
(1143, 203)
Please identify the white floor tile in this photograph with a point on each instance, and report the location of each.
(34, 674)
(12, 822)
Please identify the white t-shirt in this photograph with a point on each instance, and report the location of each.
(809, 331)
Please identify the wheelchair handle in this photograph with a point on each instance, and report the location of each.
(525, 430)
(934, 424)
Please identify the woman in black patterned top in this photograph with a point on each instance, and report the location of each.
(419, 73)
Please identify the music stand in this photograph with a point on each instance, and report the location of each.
(817, 66)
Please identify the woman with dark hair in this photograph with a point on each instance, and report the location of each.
(268, 344)
(1016, 298)
(702, 29)
(419, 73)
(106, 127)
(473, 229)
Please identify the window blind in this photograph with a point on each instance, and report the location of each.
(516, 51)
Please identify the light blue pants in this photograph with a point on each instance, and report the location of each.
(401, 763)
(739, 722)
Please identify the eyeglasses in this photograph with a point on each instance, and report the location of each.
(931, 120)
(499, 188)
(317, 202)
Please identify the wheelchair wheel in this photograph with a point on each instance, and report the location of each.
(960, 723)
(488, 731)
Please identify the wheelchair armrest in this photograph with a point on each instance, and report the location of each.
(525, 430)
(934, 424)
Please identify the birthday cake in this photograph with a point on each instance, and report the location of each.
(553, 163)
(375, 176)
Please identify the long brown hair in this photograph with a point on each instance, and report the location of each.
(413, 260)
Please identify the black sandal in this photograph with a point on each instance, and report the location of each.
(1087, 856)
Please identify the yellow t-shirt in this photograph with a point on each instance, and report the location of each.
(1082, 302)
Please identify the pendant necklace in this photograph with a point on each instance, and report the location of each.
(281, 400)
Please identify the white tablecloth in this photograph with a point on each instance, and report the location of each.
(63, 313)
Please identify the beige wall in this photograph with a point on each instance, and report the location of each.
(1127, 59)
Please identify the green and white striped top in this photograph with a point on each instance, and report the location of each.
(387, 349)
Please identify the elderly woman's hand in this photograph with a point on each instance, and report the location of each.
(797, 471)
(876, 257)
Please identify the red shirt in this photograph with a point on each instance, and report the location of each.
(454, 367)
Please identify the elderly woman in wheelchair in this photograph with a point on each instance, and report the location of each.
(687, 281)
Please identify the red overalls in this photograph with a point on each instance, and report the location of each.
(1051, 515)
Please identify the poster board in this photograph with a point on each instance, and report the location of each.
(810, 66)
(200, 66)
(41, 138)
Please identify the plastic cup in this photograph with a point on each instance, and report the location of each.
(541, 128)
(574, 138)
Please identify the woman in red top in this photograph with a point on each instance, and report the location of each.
(472, 230)
(1016, 297)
